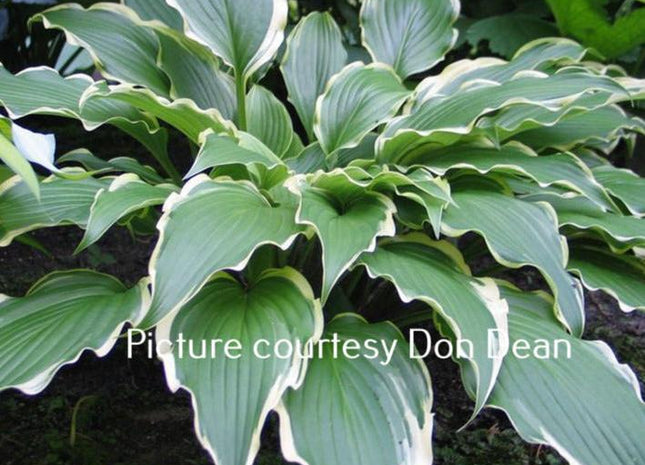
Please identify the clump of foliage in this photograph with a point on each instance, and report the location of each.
(388, 184)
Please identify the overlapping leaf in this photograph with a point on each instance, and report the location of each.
(232, 395)
(61, 316)
(331, 419)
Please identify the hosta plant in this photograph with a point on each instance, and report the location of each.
(349, 212)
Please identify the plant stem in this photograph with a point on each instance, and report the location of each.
(240, 88)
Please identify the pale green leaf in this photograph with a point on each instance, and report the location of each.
(268, 120)
(185, 258)
(411, 36)
(332, 420)
(195, 73)
(314, 54)
(121, 47)
(347, 219)
(223, 149)
(625, 185)
(621, 276)
(435, 273)
(246, 34)
(155, 10)
(357, 99)
(519, 233)
(561, 169)
(62, 201)
(232, 396)
(445, 119)
(587, 407)
(61, 316)
(126, 194)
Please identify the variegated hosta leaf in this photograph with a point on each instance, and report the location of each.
(417, 186)
(245, 33)
(195, 73)
(445, 119)
(435, 273)
(310, 160)
(621, 276)
(159, 11)
(232, 396)
(562, 169)
(625, 185)
(519, 233)
(540, 55)
(183, 114)
(62, 315)
(224, 149)
(347, 218)
(581, 214)
(15, 160)
(229, 220)
(122, 49)
(410, 36)
(30, 92)
(94, 164)
(62, 201)
(332, 420)
(587, 407)
(314, 54)
(357, 99)
(269, 120)
(602, 127)
(126, 194)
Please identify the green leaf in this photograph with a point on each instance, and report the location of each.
(29, 92)
(245, 33)
(435, 273)
(625, 185)
(621, 276)
(223, 149)
(160, 11)
(519, 233)
(586, 21)
(332, 420)
(506, 34)
(269, 120)
(314, 54)
(121, 48)
(410, 36)
(561, 169)
(442, 119)
(230, 399)
(346, 217)
(61, 316)
(10, 156)
(62, 201)
(195, 73)
(185, 258)
(125, 195)
(599, 126)
(183, 114)
(539, 55)
(357, 99)
(587, 407)
(310, 160)
(581, 214)
(91, 162)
